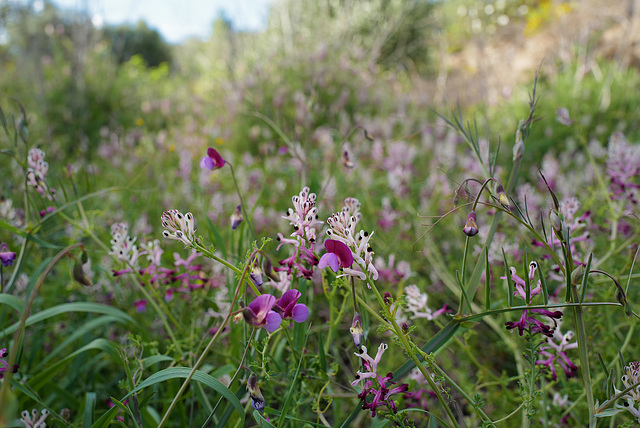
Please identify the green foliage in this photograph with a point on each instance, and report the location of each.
(128, 41)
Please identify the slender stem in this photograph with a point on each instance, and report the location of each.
(23, 320)
(208, 347)
(410, 350)
(242, 206)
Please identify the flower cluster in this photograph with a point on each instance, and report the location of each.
(304, 219)
(32, 421)
(527, 320)
(4, 365)
(37, 174)
(381, 394)
(417, 303)
(343, 229)
(179, 227)
(623, 169)
(122, 245)
(632, 397)
(554, 351)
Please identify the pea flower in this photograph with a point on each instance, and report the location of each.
(236, 217)
(471, 228)
(289, 308)
(338, 255)
(259, 313)
(141, 305)
(257, 399)
(6, 257)
(213, 160)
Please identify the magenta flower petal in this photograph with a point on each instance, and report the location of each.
(273, 321)
(6, 257)
(257, 311)
(215, 157)
(341, 250)
(285, 305)
(300, 312)
(331, 260)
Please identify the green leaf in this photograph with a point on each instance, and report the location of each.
(294, 381)
(183, 373)
(611, 411)
(89, 405)
(261, 420)
(77, 333)
(11, 301)
(26, 235)
(69, 308)
(39, 380)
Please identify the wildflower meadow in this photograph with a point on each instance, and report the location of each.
(333, 222)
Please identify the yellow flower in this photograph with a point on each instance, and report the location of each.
(139, 121)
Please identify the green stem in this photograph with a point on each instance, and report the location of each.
(242, 206)
(208, 347)
(410, 350)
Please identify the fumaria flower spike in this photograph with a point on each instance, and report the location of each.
(180, 227)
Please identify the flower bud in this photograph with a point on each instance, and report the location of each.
(471, 228)
(267, 269)
(356, 330)
(79, 275)
(577, 275)
(257, 399)
(236, 217)
(502, 196)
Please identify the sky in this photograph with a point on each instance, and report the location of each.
(176, 20)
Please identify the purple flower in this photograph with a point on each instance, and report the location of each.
(562, 116)
(471, 228)
(257, 399)
(4, 365)
(259, 313)
(212, 160)
(141, 305)
(338, 255)
(289, 308)
(528, 321)
(554, 351)
(6, 257)
(236, 217)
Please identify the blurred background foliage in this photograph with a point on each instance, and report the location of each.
(357, 57)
